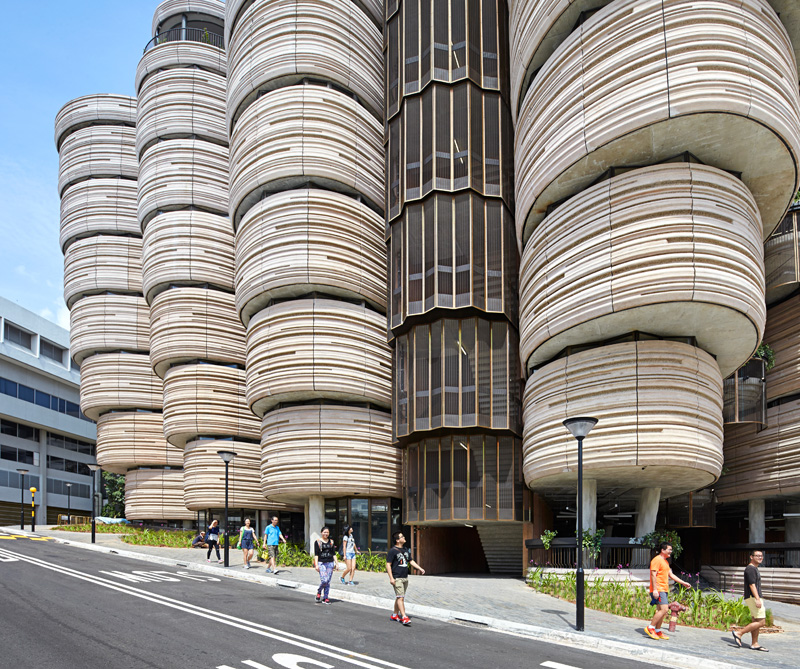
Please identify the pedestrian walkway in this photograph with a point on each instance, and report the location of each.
(470, 598)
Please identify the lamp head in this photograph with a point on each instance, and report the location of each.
(580, 427)
(69, 485)
(32, 490)
(22, 471)
(94, 468)
(227, 456)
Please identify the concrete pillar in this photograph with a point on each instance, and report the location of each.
(755, 518)
(315, 519)
(589, 505)
(792, 535)
(41, 491)
(647, 506)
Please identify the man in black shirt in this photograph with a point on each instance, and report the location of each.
(397, 561)
(752, 597)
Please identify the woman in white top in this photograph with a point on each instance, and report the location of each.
(349, 551)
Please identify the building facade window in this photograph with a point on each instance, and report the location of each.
(59, 487)
(13, 480)
(17, 336)
(70, 444)
(51, 351)
(19, 430)
(67, 465)
(43, 399)
(19, 455)
(373, 520)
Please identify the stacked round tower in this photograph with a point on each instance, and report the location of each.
(649, 172)
(102, 244)
(304, 114)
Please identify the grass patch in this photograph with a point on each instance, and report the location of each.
(707, 609)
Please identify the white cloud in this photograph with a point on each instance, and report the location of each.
(46, 313)
(63, 317)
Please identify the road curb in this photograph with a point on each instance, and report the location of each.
(585, 641)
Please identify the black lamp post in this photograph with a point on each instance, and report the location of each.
(69, 501)
(94, 469)
(22, 473)
(580, 427)
(227, 458)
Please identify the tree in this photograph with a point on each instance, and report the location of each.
(115, 493)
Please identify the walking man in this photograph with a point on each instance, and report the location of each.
(752, 597)
(397, 561)
(660, 573)
(272, 536)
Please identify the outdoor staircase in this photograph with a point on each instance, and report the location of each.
(502, 546)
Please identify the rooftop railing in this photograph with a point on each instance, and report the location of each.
(202, 35)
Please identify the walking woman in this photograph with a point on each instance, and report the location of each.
(349, 550)
(324, 563)
(247, 539)
(212, 539)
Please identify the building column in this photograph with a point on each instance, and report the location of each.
(647, 508)
(589, 505)
(315, 519)
(41, 492)
(755, 517)
(792, 535)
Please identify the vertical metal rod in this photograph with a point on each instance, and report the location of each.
(227, 537)
(33, 511)
(579, 591)
(94, 479)
(22, 502)
(69, 503)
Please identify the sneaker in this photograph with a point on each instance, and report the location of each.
(220, 561)
(269, 571)
(651, 632)
(318, 598)
(341, 578)
(395, 617)
(661, 635)
(326, 600)
(208, 559)
(350, 583)
(405, 620)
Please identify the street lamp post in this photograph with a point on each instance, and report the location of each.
(94, 469)
(69, 501)
(227, 458)
(580, 427)
(33, 508)
(22, 473)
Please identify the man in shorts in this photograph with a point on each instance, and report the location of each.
(660, 573)
(397, 561)
(272, 536)
(752, 597)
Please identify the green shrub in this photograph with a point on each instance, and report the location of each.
(166, 538)
(654, 539)
(369, 561)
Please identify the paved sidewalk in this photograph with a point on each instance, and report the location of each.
(475, 599)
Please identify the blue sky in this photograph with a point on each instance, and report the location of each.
(52, 52)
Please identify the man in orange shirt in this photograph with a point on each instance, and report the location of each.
(660, 573)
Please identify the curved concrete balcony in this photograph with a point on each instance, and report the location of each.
(315, 349)
(100, 323)
(99, 264)
(208, 401)
(194, 323)
(174, 8)
(98, 206)
(187, 248)
(183, 173)
(789, 14)
(181, 54)
(783, 335)
(763, 463)
(720, 84)
(134, 439)
(328, 450)
(88, 110)
(113, 381)
(204, 475)
(155, 494)
(659, 405)
(181, 103)
(304, 241)
(277, 44)
(97, 152)
(373, 9)
(305, 134)
(781, 258)
(673, 250)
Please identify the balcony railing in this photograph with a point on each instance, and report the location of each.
(202, 35)
(745, 394)
(776, 554)
(614, 551)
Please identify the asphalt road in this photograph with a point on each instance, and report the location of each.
(65, 607)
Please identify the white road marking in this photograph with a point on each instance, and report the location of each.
(4, 558)
(318, 647)
(557, 665)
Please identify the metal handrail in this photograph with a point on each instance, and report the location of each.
(201, 35)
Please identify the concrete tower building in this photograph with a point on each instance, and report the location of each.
(305, 114)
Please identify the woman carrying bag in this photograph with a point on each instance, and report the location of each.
(212, 539)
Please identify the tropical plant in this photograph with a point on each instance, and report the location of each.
(765, 352)
(115, 493)
(547, 536)
(164, 538)
(592, 542)
(369, 561)
(654, 539)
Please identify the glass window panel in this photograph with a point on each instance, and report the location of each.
(474, 27)
(394, 165)
(27, 432)
(436, 374)
(505, 479)
(490, 478)
(8, 387)
(458, 36)
(410, 386)
(25, 393)
(443, 139)
(510, 266)
(425, 39)
(8, 453)
(421, 375)
(73, 410)
(414, 246)
(491, 125)
(490, 42)
(494, 256)
(476, 137)
(412, 469)
(53, 403)
(452, 353)
(441, 40)
(396, 245)
(392, 67)
(444, 250)
(499, 376)
(431, 479)
(43, 399)
(401, 385)
(429, 225)
(478, 254)
(468, 371)
(484, 373)
(359, 519)
(62, 405)
(331, 518)
(427, 141)
(7, 427)
(463, 249)
(379, 522)
(461, 136)
(476, 476)
(412, 158)
(445, 473)
(411, 53)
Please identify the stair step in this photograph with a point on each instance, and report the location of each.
(502, 547)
